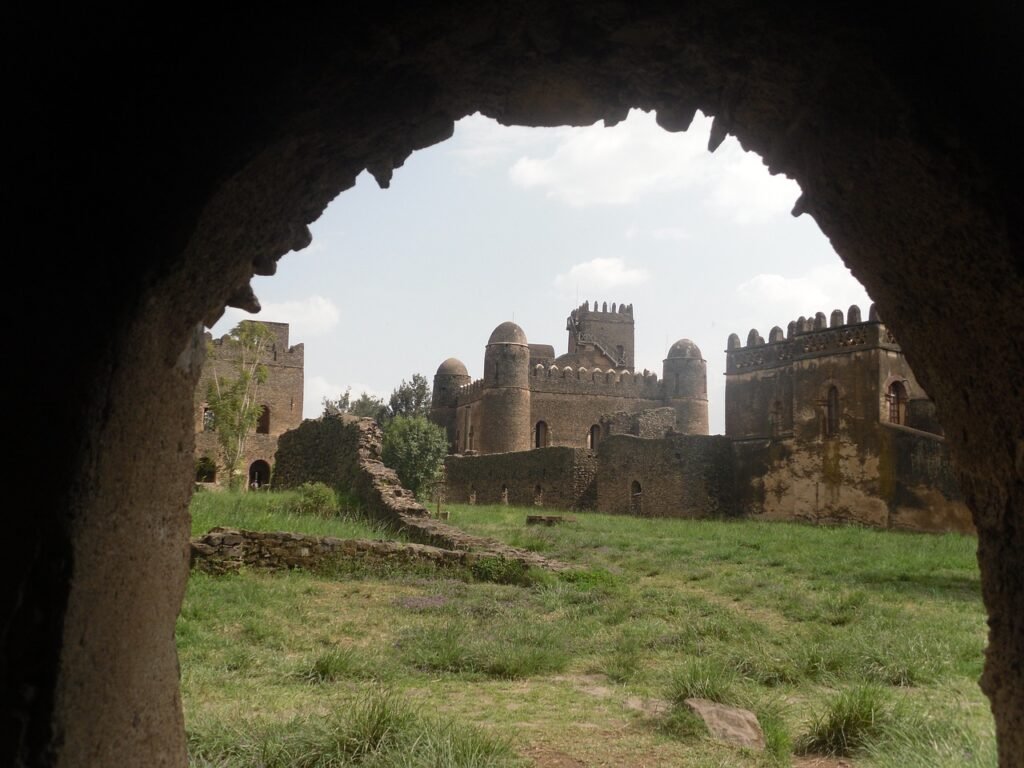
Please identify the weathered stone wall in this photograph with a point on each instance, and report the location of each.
(570, 418)
(224, 550)
(652, 423)
(561, 478)
(891, 477)
(678, 476)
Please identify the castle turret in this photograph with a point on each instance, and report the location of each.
(505, 395)
(685, 382)
(451, 375)
(600, 338)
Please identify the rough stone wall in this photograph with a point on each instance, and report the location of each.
(282, 393)
(679, 476)
(652, 423)
(891, 477)
(561, 478)
(224, 550)
(571, 417)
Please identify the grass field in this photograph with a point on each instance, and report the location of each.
(844, 641)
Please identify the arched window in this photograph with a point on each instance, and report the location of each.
(832, 413)
(897, 397)
(208, 424)
(259, 474)
(263, 425)
(540, 435)
(206, 470)
(636, 498)
(594, 437)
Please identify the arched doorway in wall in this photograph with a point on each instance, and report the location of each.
(259, 474)
(263, 425)
(594, 437)
(206, 470)
(743, 111)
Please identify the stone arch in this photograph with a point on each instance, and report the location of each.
(594, 436)
(220, 196)
(541, 435)
(259, 474)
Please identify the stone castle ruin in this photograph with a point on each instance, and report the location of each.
(280, 396)
(824, 422)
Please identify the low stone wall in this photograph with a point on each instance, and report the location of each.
(674, 476)
(560, 478)
(344, 452)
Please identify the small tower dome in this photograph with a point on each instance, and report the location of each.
(507, 333)
(452, 367)
(684, 348)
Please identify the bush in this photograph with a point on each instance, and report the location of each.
(415, 448)
(851, 721)
(315, 499)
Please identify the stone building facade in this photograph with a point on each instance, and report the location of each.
(529, 398)
(824, 422)
(280, 396)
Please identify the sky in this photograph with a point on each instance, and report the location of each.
(524, 224)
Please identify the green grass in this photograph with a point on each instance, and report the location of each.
(291, 511)
(792, 622)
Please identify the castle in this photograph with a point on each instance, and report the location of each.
(280, 396)
(528, 398)
(824, 422)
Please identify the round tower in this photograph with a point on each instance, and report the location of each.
(505, 396)
(451, 375)
(685, 382)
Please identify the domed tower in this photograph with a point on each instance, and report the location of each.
(451, 375)
(685, 382)
(505, 396)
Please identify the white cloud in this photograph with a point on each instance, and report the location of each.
(309, 317)
(480, 142)
(596, 165)
(599, 274)
(742, 188)
(821, 290)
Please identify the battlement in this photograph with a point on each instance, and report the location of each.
(625, 310)
(808, 337)
(280, 353)
(582, 380)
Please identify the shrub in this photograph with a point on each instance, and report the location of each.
(851, 720)
(315, 499)
(702, 679)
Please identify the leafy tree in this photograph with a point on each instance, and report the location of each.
(233, 400)
(410, 398)
(415, 448)
(364, 405)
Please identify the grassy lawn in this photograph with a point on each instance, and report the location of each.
(842, 640)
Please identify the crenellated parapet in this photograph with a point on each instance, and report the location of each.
(279, 353)
(582, 380)
(809, 337)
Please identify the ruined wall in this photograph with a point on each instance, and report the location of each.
(652, 423)
(892, 477)
(678, 476)
(281, 393)
(560, 478)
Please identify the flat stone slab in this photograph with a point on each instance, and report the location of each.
(729, 724)
(549, 519)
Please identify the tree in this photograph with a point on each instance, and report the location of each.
(415, 448)
(233, 399)
(364, 405)
(410, 398)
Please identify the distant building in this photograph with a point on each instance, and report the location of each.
(281, 396)
(824, 422)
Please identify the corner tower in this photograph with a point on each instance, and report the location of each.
(451, 375)
(505, 392)
(685, 383)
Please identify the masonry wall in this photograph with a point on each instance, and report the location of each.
(678, 476)
(569, 418)
(559, 478)
(282, 394)
(891, 477)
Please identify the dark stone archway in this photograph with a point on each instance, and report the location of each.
(151, 171)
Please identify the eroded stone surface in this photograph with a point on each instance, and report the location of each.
(729, 724)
